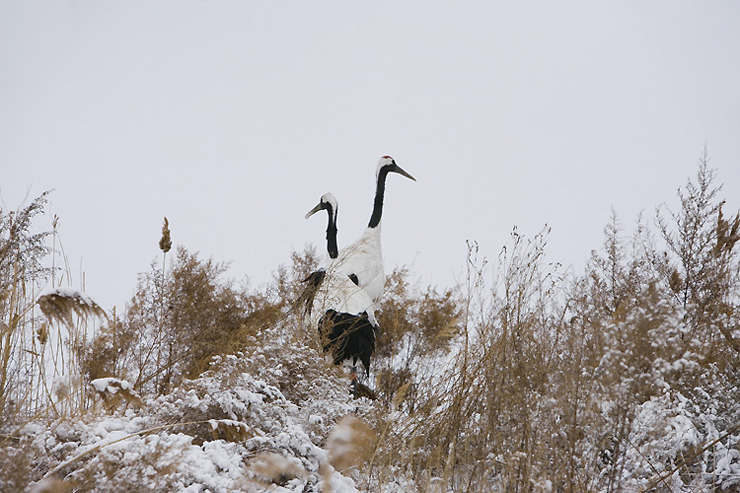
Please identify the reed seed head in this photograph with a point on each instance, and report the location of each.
(165, 243)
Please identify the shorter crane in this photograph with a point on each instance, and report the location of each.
(337, 306)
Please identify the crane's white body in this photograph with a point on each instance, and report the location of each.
(337, 292)
(364, 258)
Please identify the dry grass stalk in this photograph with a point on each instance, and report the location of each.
(230, 430)
(351, 443)
(51, 485)
(62, 305)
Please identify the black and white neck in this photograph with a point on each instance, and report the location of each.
(386, 165)
(331, 232)
(330, 205)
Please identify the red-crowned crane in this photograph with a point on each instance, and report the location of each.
(341, 310)
(362, 261)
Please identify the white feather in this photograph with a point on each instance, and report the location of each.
(337, 292)
(364, 259)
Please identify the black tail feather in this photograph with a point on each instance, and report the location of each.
(348, 337)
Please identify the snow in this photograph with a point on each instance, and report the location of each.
(110, 384)
(232, 429)
(274, 420)
(69, 292)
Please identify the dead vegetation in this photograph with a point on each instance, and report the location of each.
(526, 377)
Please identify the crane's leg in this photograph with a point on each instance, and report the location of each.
(353, 378)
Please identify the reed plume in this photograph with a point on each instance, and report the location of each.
(63, 303)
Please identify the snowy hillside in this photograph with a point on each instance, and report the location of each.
(526, 377)
(231, 429)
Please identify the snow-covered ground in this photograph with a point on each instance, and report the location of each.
(232, 429)
(276, 417)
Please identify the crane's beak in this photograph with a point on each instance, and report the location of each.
(315, 210)
(401, 171)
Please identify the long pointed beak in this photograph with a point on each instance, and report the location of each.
(314, 210)
(401, 171)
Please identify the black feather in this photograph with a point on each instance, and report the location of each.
(348, 336)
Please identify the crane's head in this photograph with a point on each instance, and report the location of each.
(327, 203)
(388, 164)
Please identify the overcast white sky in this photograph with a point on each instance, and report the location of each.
(231, 118)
